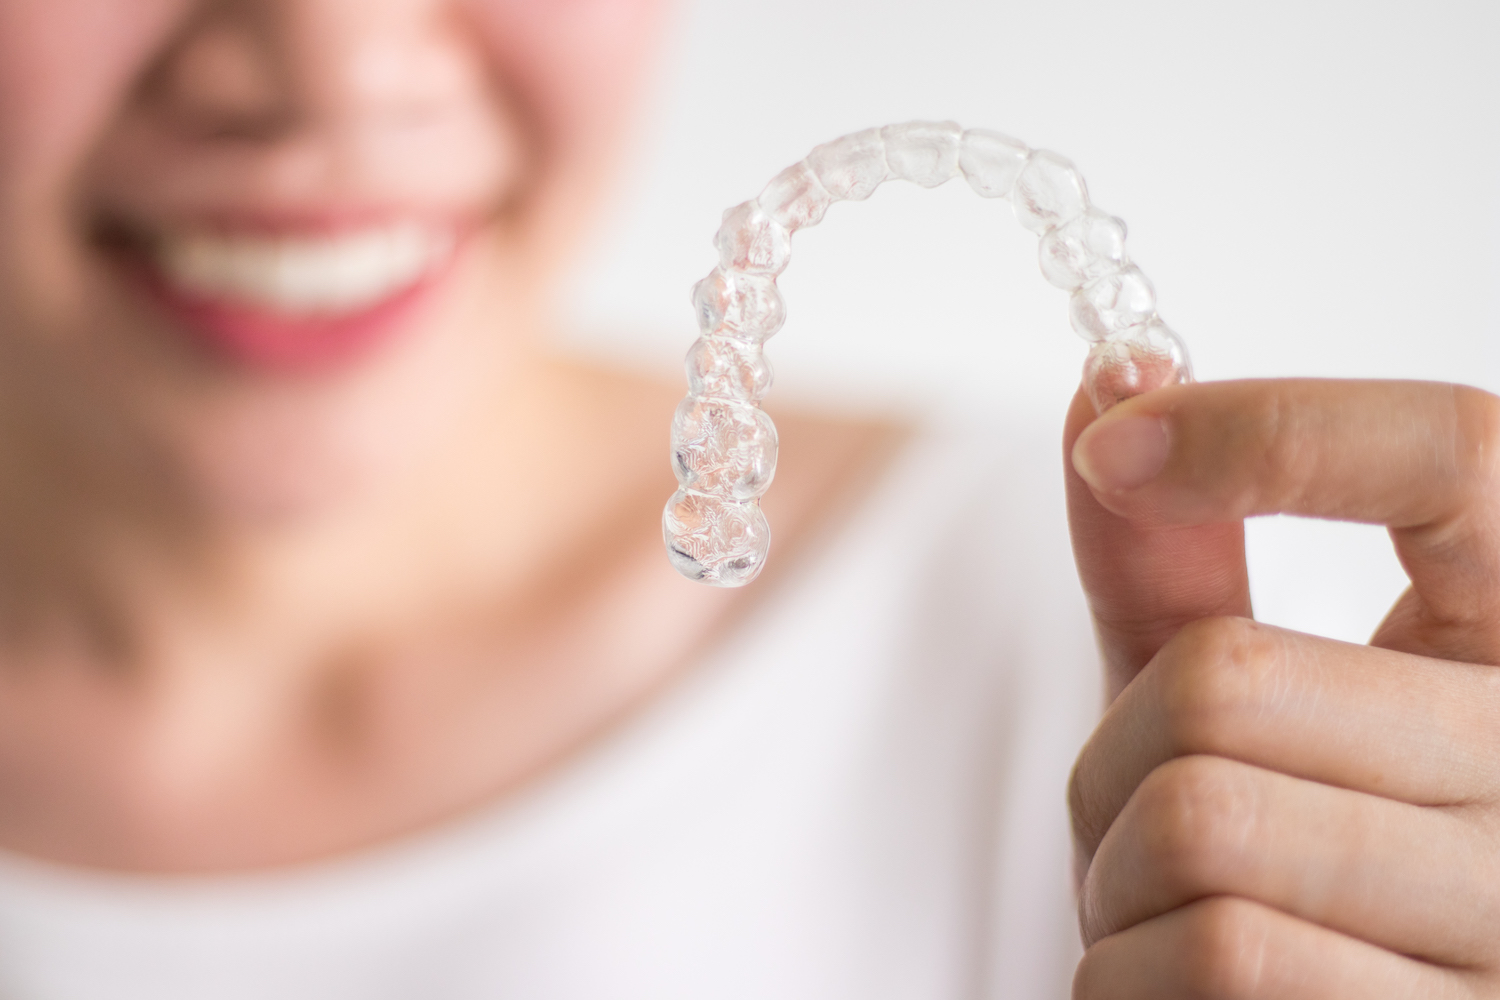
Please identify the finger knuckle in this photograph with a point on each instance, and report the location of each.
(1217, 672)
(1092, 802)
(1196, 816)
(1086, 807)
(1220, 953)
(1225, 949)
(1287, 446)
(1096, 977)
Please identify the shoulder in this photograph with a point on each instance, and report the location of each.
(829, 465)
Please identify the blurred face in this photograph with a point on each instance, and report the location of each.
(269, 250)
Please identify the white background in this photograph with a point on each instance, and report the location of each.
(1312, 187)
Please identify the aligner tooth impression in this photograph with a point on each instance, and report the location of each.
(724, 445)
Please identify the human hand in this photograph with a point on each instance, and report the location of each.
(1267, 814)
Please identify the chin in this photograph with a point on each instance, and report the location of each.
(277, 416)
(280, 461)
(255, 486)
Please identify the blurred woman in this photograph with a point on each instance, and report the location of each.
(324, 584)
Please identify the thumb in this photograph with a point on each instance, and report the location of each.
(1144, 581)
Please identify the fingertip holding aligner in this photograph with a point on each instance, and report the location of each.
(724, 447)
(1142, 358)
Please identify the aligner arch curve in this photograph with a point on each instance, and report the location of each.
(724, 445)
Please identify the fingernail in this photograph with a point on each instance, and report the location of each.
(1114, 456)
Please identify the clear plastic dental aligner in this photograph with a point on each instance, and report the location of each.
(724, 446)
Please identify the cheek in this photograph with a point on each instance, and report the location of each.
(574, 64)
(65, 67)
(573, 68)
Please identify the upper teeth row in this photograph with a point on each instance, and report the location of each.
(303, 275)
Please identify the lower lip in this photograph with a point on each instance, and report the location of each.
(260, 338)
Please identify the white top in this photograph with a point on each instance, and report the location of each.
(860, 796)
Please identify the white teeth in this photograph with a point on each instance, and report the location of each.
(303, 275)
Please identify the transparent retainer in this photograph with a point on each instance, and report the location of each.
(724, 445)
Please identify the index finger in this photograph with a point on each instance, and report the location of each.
(1420, 457)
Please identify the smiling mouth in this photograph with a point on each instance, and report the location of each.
(288, 297)
(305, 275)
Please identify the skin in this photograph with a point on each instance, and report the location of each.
(251, 617)
(1263, 813)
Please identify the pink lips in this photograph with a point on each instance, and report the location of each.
(264, 338)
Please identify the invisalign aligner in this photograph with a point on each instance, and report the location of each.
(724, 445)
